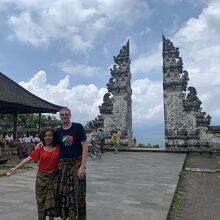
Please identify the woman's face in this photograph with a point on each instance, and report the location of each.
(48, 137)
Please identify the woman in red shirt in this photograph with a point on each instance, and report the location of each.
(47, 175)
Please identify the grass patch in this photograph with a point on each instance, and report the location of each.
(183, 174)
(179, 199)
(177, 204)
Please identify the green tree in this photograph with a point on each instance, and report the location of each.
(28, 120)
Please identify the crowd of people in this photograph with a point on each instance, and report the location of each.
(24, 142)
(98, 136)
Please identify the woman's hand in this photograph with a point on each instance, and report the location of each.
(38, 146)
(11, 171)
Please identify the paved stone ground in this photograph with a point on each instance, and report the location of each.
(124, 186)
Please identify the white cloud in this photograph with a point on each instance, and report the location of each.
(147, 63)
(145, 32)
(195, 2)
(25, 4)
(83, 100)
(78, 69)
(147, 101)
(38, 81)
(199, 42)
(126, 11)
(77, 23)
(199, 45)
(28, 31)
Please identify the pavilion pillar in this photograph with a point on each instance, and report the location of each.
(39, 123)
(15, 126)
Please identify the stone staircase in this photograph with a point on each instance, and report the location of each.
(7, 151)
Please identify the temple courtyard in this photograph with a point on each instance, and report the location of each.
(124, 186)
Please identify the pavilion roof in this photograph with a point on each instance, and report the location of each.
(15, 99)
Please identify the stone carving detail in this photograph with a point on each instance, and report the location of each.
(192, 101)
(174, 76)
(202, 119)
(107, 105)
(123, 56)
(168, 45)
(116, 109)
(111, 84)
(178, 123)
(120, 73)
(97, 122)
(184, 79)
(186, 125)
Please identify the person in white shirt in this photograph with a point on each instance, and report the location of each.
(27, 144)
(9, 138)
(21, 147)
(36, 139)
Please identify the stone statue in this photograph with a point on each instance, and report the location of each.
(107, 105)
(106, 98)
(192, 96)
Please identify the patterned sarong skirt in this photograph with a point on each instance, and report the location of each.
(72, 190)
(47, 194)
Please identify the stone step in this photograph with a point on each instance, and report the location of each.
(7, 151)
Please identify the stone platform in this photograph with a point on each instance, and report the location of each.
(124, 186)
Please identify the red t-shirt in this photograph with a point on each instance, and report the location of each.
(48, 161)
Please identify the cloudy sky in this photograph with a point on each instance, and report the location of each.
(62, 51)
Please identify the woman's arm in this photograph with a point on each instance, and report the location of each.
(21, 164)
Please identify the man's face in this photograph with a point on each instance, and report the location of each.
(65, 116)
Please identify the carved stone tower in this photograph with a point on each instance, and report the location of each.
(186, 126)
(117, 110)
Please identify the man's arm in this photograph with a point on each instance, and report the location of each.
(82, 169)
(38, 146)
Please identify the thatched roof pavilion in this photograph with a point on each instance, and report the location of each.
(15, 99)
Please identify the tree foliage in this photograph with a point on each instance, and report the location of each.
(28, 120)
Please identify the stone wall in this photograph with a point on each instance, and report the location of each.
(186, 125)
(120, 109)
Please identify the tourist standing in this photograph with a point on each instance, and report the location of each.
(28, 143)
(115, 140)
(21, 148)
(95, 136)
(102, 137)
(47, 175)
(36, 139)
(73, 156)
